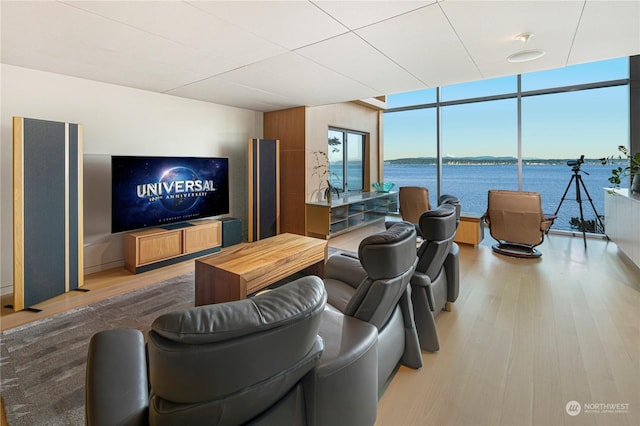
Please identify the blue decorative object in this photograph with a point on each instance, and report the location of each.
(383, 186)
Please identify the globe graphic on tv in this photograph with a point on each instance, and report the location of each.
(180, 203)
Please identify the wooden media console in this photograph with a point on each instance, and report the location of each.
(156, 247)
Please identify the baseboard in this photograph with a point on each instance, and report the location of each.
(103, 267)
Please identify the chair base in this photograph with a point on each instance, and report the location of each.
(448, 307)
(516, 250)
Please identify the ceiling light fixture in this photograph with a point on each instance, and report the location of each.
(524, 37)
(526, 55)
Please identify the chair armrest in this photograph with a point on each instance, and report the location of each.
(422, 282)
(420, 279)
(346, 268)
(452, 268)
(547, 222)
(117, 388)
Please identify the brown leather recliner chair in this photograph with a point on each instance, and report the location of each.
(414, 200)
(516, 222)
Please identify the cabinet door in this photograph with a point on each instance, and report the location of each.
(318, 221)
(159, 247)
(202, 237)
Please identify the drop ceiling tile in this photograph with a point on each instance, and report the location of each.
(352, 57)
(291, 24)
(52, 31)
(357, 14)
(122, 72)
(608, 29)
(228, 93)
(299, 79)
(424, 43)
(502, 68)
(188, 26)
(487, 30)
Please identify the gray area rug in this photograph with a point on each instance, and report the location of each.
(42, 364)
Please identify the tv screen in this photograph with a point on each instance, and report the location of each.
(159, 191)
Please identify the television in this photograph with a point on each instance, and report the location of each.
(166, 192)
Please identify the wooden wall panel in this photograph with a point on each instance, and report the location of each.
(293, 213)
(288, 126)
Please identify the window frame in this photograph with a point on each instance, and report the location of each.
(345, 159)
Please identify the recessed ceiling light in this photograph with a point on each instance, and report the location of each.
(526, 55)
(524, 37)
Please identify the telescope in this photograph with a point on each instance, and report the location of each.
(575, 168)
(576, 163)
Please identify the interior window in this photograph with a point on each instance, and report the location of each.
(346, 154)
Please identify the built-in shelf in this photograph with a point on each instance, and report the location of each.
(622, 216)
(348, 212)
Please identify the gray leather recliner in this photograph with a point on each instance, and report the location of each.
(436, 279)
(230, 363)
(374, 287)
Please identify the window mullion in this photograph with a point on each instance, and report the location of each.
(519, 112)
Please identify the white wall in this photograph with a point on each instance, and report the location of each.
(117, 121)
(345, 115)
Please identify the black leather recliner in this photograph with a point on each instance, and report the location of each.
(254, 361)
(435, 282)
(374, 287)
(229, 363)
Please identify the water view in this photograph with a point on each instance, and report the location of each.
(471, 182)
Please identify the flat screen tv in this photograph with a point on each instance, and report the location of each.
(166, 191)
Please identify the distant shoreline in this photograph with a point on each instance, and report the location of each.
(484, 161)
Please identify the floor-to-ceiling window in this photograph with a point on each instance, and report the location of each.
(411, 135)
(492, 135)
(477, 147)
(561, 125)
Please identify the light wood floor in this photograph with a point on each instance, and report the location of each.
(524, 338)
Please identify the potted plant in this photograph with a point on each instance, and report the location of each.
(321, 170)
(632, 168)
(328, 192)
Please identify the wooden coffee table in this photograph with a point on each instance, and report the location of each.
(239, 271)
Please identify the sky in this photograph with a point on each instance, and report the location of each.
(566, 125)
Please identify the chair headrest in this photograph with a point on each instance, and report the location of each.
(438, 224)
(518, 201)
(223, 321)
(449, 199)
(389, 253)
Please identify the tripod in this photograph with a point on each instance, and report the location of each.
(578, 180)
